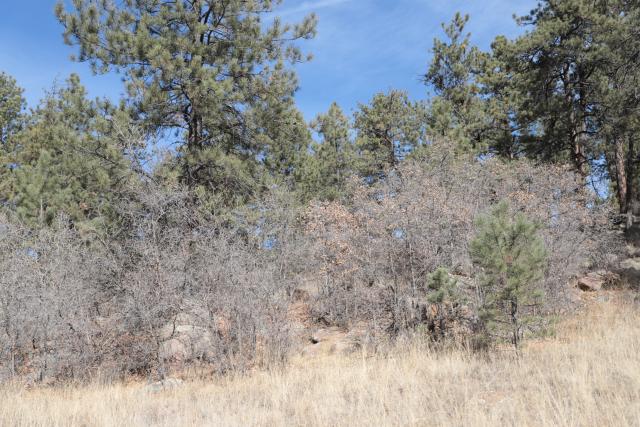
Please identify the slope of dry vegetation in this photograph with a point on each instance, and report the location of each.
(589, 374)
(175, 289)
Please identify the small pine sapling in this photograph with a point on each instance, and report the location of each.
(445, 296)
(511, 258)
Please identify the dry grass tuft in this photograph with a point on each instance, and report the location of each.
(588, 375)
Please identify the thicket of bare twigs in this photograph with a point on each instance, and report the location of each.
(171, 285)
(588, 376)
(374, 257)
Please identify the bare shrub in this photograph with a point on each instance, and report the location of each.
(376, 255)
(171, 288)
(226, 287)
(50, 283)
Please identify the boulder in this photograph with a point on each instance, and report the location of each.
(590, 283)
(175, 349)
(596, 280)
(186, 338)
(632, 251)
(631, 264)
(333, 340)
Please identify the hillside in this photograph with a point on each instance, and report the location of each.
(220, 239)
(587, 374)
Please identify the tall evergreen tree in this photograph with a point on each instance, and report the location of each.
(388, 129)
(67, 159)
(574, 78)
(501, 98)
(12, 117)
(198, 67)
(618, 109)
(327, 169)
(12, 105)
(557, 66)
(456, 112)
(283, 139)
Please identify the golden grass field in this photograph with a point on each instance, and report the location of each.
(588, 375)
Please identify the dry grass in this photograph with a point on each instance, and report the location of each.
(588, 375)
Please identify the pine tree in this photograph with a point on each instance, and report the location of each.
(67, 159)
(388, 129)
(511, 258)
(327, 169)
(443, 287)
(456, 112)
(502, 134)
(12, 105)
(617, 119)
(283, 140)
(12, 118)
(41, 191)
(573, 80)
(198, 68)
(444, 294)
(557, 65)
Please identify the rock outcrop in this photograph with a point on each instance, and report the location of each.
(333, 340)
(185, 339)
(596, 280)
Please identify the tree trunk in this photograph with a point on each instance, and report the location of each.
(578, 149)
(577, 121)
(580, 130)
(630, 178)
(392, 149)
(194, 144)
(515, 325)
(621, 174)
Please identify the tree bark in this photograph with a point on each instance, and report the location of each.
(581, 129)
(630, 177)
(621, 174)
(392, 148)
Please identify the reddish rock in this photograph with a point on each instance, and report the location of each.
(596, 280)
(590, 283)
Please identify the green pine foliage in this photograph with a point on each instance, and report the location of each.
(388, 128)
(561, 73)
(215, 79)
(12, 105)
(12, 118)
(212, 72)
(443, 288)
(456, 112)
(511, 259)
(326, 170)
(67, 160)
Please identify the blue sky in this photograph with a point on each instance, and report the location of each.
(362, 47)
